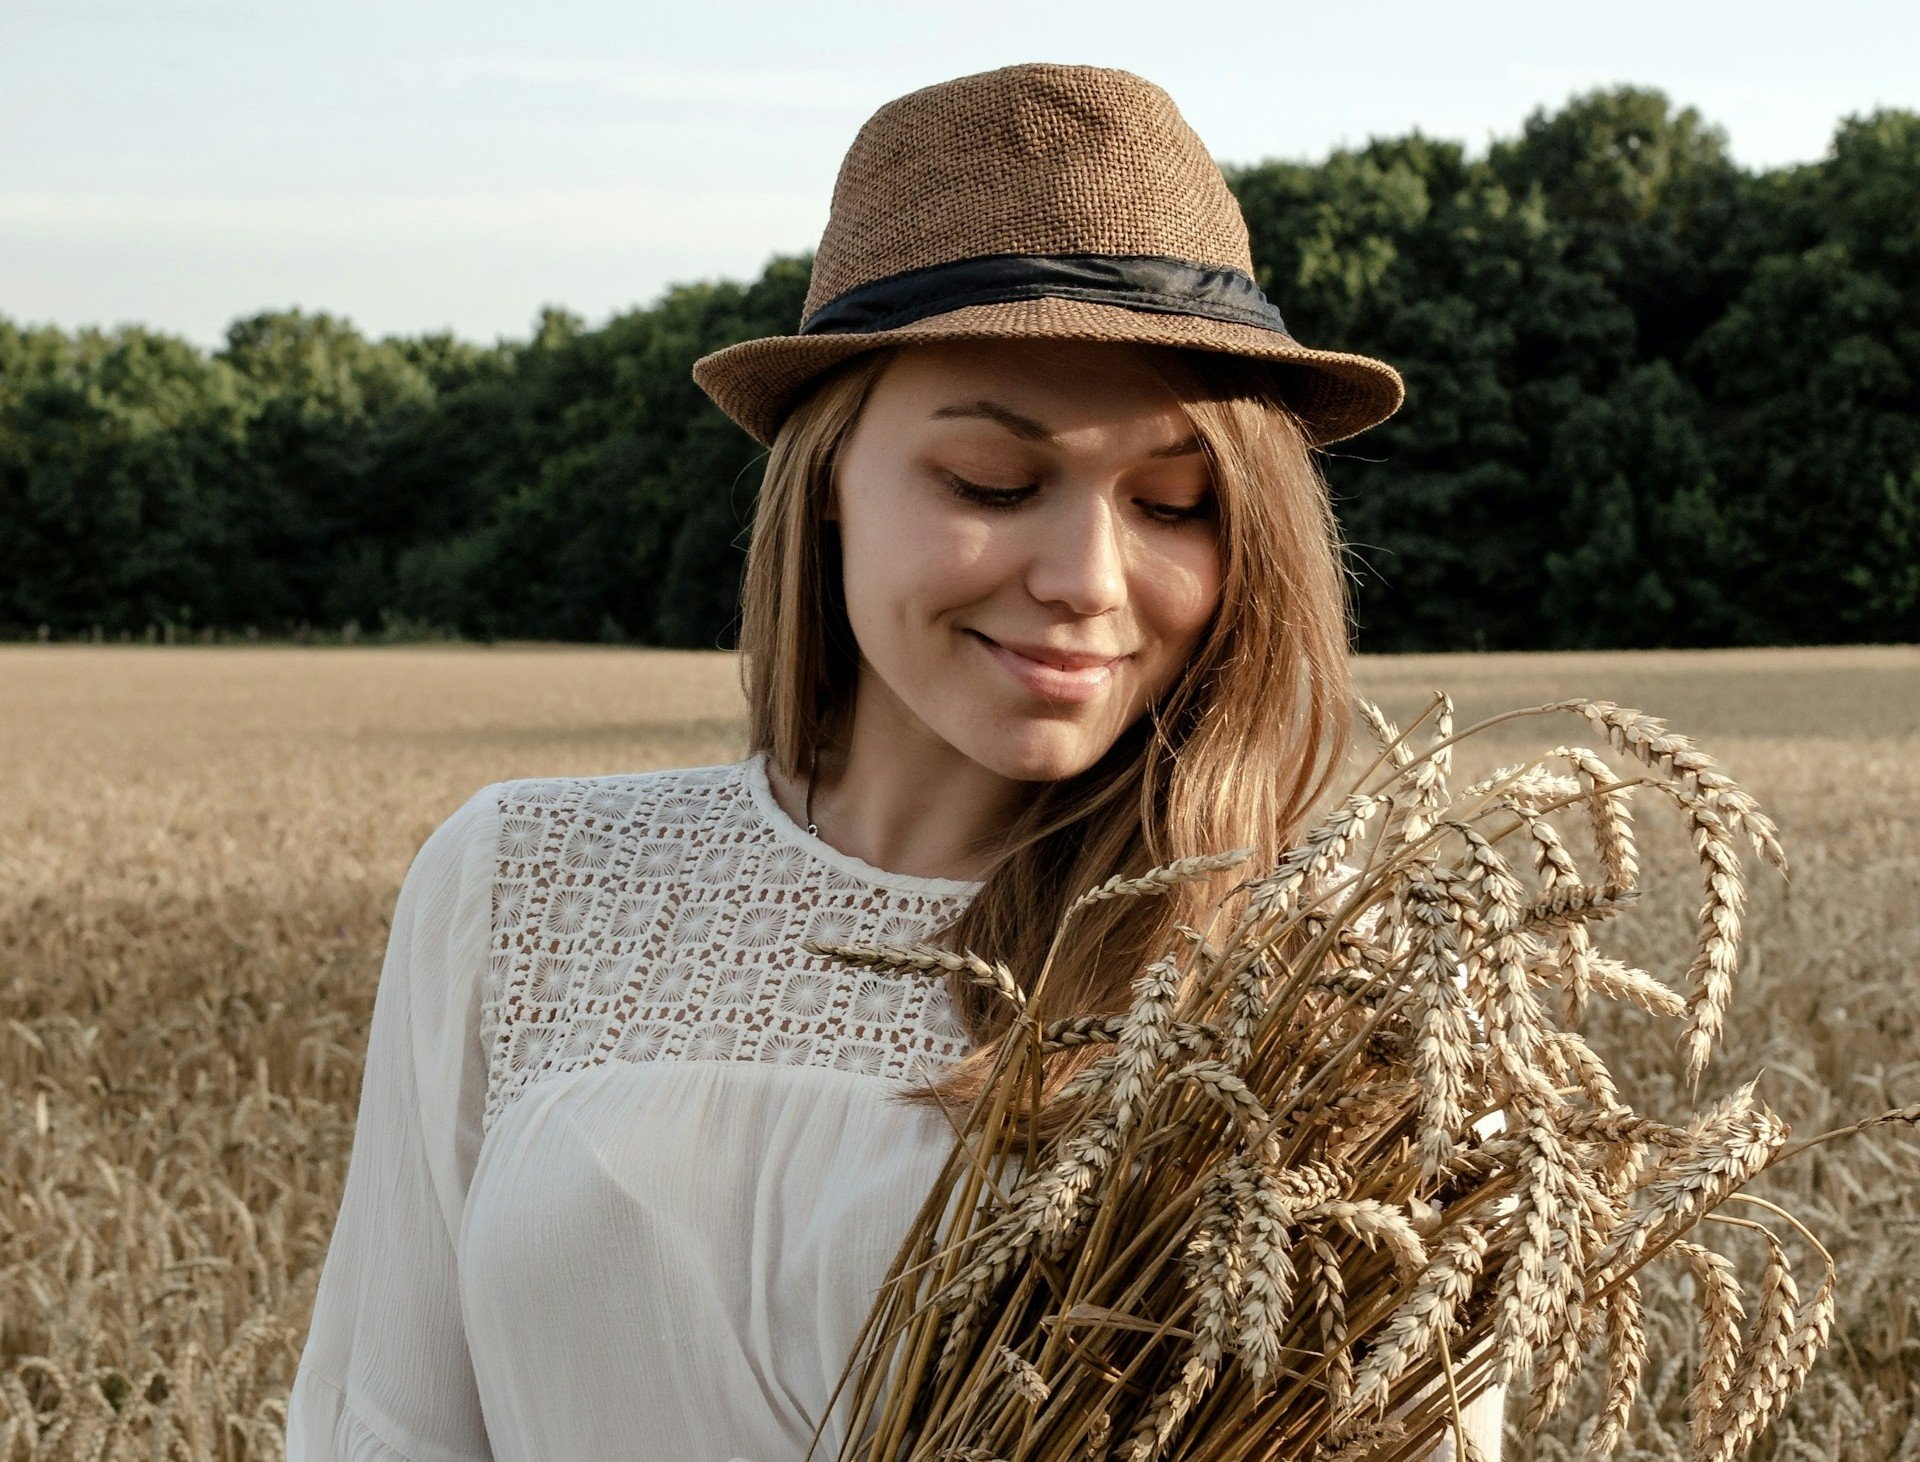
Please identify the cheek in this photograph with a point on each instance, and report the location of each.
(908, 562)
(1179, 591)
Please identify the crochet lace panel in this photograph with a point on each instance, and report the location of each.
(660, 916)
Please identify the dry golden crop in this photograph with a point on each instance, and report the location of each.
(1298, 1208)
(199, 851)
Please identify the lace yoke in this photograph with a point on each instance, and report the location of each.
(660, 916)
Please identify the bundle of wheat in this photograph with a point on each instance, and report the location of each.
(1343, 1164)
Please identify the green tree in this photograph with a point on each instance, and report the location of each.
(1411, 251)
(1651, 399)
(1642, 524)
(1814, 383)
(317, 505)
(635, 519)
(1651, 201)
(116, 471)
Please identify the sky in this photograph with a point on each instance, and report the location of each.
(427, 165)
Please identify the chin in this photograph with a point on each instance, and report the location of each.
(1046, 755)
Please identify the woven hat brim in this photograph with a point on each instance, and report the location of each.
(1336, 394)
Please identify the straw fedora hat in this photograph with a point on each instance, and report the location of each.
(1038, 201)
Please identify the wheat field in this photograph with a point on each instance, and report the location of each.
(200, 848)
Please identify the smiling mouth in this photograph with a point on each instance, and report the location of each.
(1053, 682)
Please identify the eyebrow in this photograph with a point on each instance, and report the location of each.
(1032, 431)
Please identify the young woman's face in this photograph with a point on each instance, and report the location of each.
(1029, 538)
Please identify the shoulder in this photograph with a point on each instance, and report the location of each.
(458, 843)
(541, 818)
(516, 816)
(667, 789)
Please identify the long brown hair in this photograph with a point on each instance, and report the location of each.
(1235, 754)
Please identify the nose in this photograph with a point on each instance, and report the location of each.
(1079, 556)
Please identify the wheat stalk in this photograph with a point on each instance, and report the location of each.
(1339, 1169)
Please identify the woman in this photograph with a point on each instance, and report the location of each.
(1043, 586)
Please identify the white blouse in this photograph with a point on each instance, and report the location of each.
(629, 1163)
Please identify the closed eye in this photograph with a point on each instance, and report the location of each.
(1012, 497)
(1168, 513)
(988, 497)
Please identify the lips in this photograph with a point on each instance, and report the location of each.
(1061, 675)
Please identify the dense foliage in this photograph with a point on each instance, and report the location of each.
(1654, 399)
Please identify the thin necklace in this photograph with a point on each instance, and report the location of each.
(813, 828)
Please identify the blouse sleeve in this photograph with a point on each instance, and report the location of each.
(1481, 1418)
(385, 1375)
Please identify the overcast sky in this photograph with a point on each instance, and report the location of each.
(421, 165)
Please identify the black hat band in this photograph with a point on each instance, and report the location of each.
(1132, 281)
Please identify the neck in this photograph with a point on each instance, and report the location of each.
(892, 794)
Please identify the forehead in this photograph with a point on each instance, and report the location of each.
(1063, 384)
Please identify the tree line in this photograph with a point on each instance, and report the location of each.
(1654, 399)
